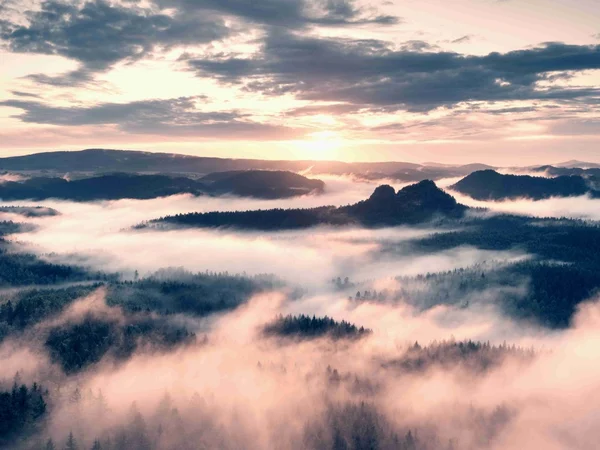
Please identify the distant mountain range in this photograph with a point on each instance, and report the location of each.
(415, 204)
(568, 171)
(491, 185)
(260, 184)
(578, 164)
(108, 161)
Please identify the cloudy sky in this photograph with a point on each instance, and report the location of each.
(498, 81)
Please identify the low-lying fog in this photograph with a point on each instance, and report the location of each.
(99, 235)
(236, 388)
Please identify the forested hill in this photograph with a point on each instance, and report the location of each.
(262, 184)
(491, 185)
(413, 204)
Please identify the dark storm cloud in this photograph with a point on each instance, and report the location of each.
(98, 34)
(288, 13)
(173, 116)
(370, 72)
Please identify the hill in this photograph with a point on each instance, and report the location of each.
(123, 185)
(262, 184)
(105, 187)
(414, 204)
(491, 185)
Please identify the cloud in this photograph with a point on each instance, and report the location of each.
(74, 78)
(584, 207)
(463, 39)
(24, 94)
(99, 34)
(288, 13)
(371, 73)
(177, 116)
(239, 387)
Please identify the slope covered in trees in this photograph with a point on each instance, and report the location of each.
(262, 184)
(491, 185)
(29, 211)
(21, 409)
(78, 345)
(562, 273)
(306, 327)
(411, 205)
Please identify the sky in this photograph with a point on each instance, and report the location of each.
(503, 82)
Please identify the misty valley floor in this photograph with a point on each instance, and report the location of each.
(473, 329)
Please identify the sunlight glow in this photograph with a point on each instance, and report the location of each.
(322, 145)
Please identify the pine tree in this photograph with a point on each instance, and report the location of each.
(71, 442)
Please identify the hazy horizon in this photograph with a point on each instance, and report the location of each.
(299, 158)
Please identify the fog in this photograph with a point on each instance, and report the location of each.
(99, 235)
(7, 177)
(242, 388)
(583, 207)
(233, 386)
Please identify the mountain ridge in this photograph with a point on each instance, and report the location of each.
(412, 205)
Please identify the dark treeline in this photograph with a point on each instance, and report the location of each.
(178, 291)
(563, 273)
(412, 205)
(9, 227)
(264, 220)
(166, 292)
(29, 307)
(260, 184)
(491, 185)
(475, 357)
(21, 408)
(75, 346)
(104, 187)
(22, 269)
(306, 327)
(30, 211)
(265, 184)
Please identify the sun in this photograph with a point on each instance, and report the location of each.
(320, 146)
